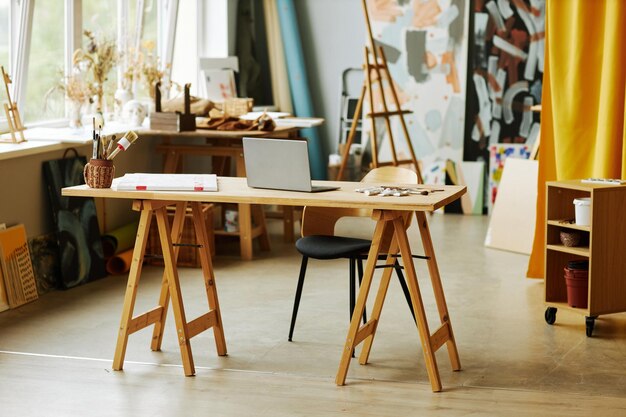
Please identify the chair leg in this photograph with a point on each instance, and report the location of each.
(405, 288)
(352, 289)
(360, 265)
(296, 302)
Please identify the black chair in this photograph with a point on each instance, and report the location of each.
(319, 241)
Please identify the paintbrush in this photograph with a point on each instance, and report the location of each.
(109, 147)
(94, 152)
(128, 139)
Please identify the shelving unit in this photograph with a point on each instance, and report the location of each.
(603, 244)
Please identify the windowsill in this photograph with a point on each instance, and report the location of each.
(43, 137)
(16, 150)
(53, 135)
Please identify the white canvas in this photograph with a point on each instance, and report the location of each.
(512, 223)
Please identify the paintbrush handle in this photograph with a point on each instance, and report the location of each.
(112, 154)
(128, 139)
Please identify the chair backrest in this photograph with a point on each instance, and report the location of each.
(322, 220)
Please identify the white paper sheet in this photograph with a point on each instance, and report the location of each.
(166, 182)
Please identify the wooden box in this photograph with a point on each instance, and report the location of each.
(236, 107)
(188, 256)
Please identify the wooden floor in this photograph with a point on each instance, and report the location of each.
(55, 354)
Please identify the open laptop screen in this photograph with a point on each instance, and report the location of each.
(281, 164)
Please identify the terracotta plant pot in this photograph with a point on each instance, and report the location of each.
(577, 282)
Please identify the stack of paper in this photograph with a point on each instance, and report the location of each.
(253, 115)
(166, 182)
(302, 122)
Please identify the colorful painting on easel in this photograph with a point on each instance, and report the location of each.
(497, 155)
(426, 46)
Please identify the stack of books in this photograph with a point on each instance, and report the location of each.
(165, 121)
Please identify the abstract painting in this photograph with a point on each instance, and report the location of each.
(497, 155)
(507, 61)
(426, 46)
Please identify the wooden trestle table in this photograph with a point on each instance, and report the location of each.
(225, 145)
(386, 211)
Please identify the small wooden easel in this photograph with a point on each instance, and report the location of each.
(13, 115)
(376, 61)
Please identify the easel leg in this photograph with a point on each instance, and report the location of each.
(368, 79)
(418, 307)
(164, 297)
(131, 289)
(356, 334)
(355, 121)
(209, 277)
(440, 298)
(174, 288)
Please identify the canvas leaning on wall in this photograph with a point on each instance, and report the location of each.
(17, 279)
(219, 84)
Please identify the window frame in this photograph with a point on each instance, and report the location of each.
(20, 30)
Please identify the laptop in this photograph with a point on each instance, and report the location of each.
(279, 164)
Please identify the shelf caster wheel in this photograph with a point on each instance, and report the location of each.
(550, 315)
(589, 323)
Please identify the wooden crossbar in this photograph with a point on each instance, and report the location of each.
(144, 320)
(441, 336)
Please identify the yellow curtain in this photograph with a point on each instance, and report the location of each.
(582, 121)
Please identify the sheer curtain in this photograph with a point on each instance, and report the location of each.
(582, 121)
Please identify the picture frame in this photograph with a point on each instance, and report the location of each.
(219, 84)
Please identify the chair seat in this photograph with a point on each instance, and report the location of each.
(331, 247)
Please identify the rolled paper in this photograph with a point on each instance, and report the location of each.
(119, 240)
(120, 263)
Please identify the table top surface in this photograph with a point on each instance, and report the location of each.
(236, 190)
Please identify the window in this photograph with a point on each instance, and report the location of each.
(37, 42)
(4, 54)
(100, 17)
(148, 38)
(4, 35)
(45, 63)
(184, 62)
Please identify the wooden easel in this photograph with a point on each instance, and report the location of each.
(376, 63)
(13, 115)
